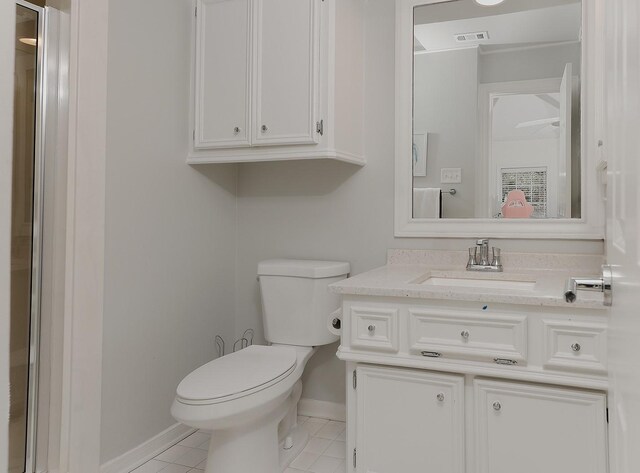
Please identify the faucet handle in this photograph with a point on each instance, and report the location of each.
(497, 260)
(482, 242)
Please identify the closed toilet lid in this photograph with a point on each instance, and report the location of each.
(237, 373)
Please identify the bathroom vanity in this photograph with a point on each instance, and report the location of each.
(454, 371)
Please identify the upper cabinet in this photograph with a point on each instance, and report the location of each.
(277, 80)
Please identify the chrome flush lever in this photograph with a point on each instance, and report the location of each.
(602, 284)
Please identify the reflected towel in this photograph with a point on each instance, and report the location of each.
(426, 202)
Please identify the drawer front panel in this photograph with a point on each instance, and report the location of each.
(375, 329)
(574, 346)
(461, 335)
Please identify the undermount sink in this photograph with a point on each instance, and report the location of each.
(479, 283)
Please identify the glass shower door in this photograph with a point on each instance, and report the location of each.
(25, 229)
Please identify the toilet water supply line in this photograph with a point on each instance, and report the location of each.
(243, 342)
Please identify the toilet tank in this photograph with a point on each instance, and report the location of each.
(296, 301)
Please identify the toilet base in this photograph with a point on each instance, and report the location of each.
(252, 448)
(300, 439)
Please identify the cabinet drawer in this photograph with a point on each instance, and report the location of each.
(575, 346)
(375, 329)
(461, 335)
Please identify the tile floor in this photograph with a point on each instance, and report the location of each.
(325, 452)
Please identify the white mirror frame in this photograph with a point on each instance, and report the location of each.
(589, 227)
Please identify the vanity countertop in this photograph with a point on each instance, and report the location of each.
(542, 277)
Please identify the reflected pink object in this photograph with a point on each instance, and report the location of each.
(516, 206)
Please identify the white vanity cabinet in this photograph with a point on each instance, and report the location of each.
(534, 428)
(409, 421)
(455, 386)
(277, 80)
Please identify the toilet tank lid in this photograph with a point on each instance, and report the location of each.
(303, 268)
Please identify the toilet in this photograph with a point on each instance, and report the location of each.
(248, 399)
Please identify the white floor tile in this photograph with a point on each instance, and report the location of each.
(342, 468)
(317, 445)
(325, 465)
(173, 453)
(195, 440)
(342, 437)
(173, 468)
(317, 420)
(152, 466)
(291, 470)
(337, 449)
(302, 419)
(201, 465)
(191, 458)
(304, 460)
(330, 431)
(312, 427)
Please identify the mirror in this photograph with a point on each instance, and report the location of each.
(497, 110)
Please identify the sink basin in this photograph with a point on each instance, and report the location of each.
(480, 283)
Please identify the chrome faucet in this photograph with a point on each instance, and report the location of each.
(479, 258)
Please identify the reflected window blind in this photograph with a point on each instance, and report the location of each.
(531, 181)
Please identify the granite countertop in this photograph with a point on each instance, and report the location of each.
(546, 274)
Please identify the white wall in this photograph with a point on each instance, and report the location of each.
(7, 42)
(528, 64)
(445, 98)
(170, 228)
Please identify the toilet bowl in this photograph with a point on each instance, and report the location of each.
(248, 399)
(244, 412)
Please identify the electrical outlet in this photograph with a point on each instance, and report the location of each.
(450, 176)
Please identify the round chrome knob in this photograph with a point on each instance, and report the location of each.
(236, 130)
(465, 334)
(264, 128)
(576, 347)
(440, 397)
(497, 406)
(371, 328)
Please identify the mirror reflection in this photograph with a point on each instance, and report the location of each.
(496, 110)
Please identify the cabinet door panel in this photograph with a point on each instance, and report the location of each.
(532, 429)
(409, 421)
(223, 66)
(286, 63)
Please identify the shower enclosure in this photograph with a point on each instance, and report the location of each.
(26, 233)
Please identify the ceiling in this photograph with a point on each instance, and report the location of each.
(554, 24)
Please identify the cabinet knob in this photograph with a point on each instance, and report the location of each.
(465, 334)
(497, 406)
(264, 128)
(576, 347)
(440, 397)
(371, 328)
(237, 130)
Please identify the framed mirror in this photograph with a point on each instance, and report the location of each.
(497, 111)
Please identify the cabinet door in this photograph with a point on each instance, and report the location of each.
(223, 67)
(286, 64)
(532, 429)
(409, 421)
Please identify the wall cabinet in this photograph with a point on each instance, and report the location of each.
(447, 386)
(277, 80)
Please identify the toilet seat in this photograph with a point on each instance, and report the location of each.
(237, 375)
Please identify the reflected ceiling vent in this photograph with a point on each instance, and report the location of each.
(472, 37)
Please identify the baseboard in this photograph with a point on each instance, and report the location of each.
(322, 409)
(147, 450)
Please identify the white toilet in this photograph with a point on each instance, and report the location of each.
(248, 399)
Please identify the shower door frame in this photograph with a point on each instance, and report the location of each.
(37, 239)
